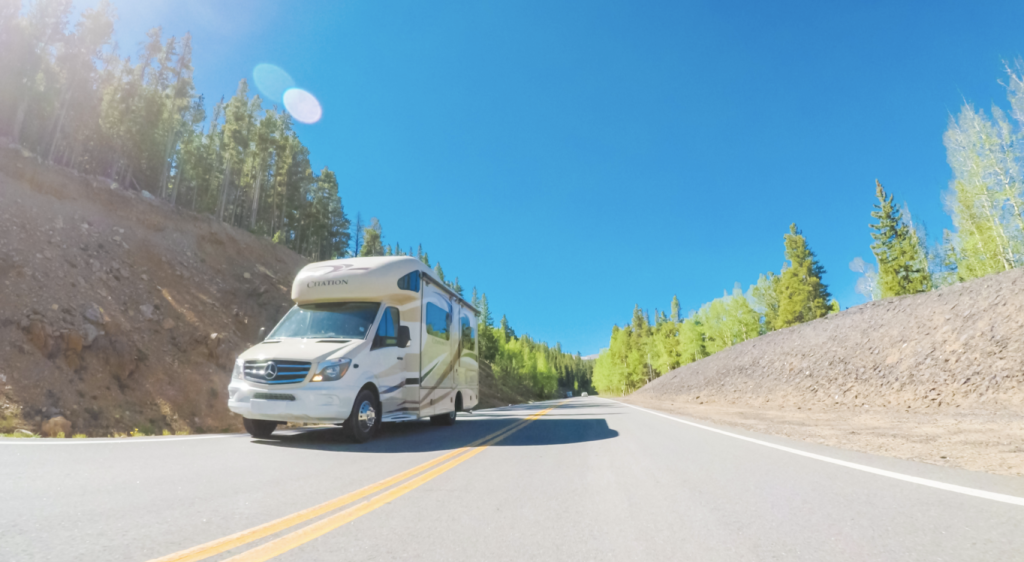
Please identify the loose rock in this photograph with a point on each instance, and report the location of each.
(55, 426)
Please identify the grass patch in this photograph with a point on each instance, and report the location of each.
(17, 435)
(79, 436)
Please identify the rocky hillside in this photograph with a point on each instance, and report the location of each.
(120, 313)
(960, 346)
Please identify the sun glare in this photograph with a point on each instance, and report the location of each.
(302, 105)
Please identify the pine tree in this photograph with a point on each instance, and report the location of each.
(484, 318)
(438, 271)
(675, 309)
(359, 234)
(456, 287)
(507, 330)
(902, 262)
(803, 296)
(372, 245)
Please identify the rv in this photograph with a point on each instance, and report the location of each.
(369, 340)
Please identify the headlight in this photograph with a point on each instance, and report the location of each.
(239, 369)
(331, 370)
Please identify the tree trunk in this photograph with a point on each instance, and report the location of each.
(172, 143)
(224, 191)
(19, 120)
(177, 185)
(255, 201)
(60, 125)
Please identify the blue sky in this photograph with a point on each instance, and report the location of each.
(574, 158)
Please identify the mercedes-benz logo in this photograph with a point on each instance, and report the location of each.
(270, 371)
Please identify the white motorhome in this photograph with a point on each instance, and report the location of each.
(369, 340)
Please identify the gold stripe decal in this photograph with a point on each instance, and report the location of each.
(310, 532)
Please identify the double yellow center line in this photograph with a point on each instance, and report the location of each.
(429, 470)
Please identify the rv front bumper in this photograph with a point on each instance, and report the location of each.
(329, 402)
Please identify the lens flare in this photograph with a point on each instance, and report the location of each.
(272, 81)
(302, 106)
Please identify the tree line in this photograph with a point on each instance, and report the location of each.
(985, 200)
(68, 96)
(645, 349)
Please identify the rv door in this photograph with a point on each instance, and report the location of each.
(438, 360)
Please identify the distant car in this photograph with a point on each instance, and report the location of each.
(568, 394)
(584, 395)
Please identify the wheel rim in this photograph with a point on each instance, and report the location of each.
(367, 416)
(451, 415)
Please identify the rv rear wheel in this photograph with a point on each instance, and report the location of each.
(444, 419)
(260, 429)
(364, 421)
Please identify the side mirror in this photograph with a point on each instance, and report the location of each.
(263, 332)
(403, 336)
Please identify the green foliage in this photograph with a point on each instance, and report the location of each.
(765, 299)
(902, 260)
(544, 369)
(803, 296)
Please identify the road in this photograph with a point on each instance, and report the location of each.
(579, 479)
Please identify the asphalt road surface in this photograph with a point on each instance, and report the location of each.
(580, 479)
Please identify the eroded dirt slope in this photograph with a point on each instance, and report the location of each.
(119, 312)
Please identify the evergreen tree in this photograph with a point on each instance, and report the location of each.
(359, 234)
(803, 296)
(675, 309)
(439, 272)
(372, 245)
(902, 261)
(507, 330)
(484, 318)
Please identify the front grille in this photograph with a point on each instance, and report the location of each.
(288, 372)
(273, 396)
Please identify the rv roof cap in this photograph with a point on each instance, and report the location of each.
(362, 279)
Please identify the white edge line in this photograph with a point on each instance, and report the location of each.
(35, 441)
(1014, 500)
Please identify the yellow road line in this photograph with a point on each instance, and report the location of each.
(238, 539)
(326, 525)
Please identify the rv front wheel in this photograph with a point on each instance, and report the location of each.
(260, 429)
(364, 421)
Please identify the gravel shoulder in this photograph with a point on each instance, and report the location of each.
(989, 441)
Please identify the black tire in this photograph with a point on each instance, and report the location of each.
(449, 418)
(260, 429)
(364, 421)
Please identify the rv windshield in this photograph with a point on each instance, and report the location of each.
(348, 320)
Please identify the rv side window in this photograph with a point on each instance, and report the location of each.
(410, 282)
(387, 331)
(437, 321)
(468, 337)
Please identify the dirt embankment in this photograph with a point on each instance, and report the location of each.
(936, 377)
(119, 312)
